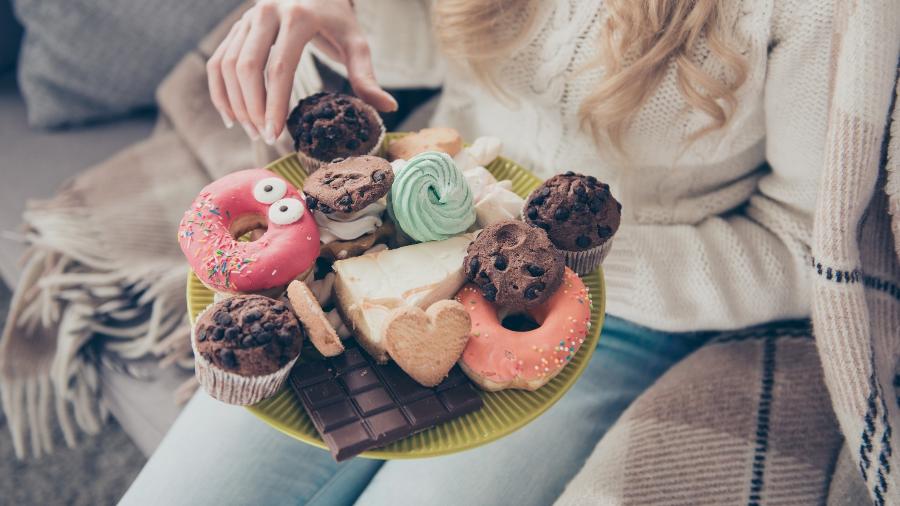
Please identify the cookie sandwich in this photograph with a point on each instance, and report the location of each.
(346, 198)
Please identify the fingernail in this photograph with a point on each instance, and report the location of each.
(269, 133)
(227, 121)
(251, 131)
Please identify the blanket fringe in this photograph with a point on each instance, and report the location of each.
(91, 317)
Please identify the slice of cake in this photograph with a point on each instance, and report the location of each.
(368, 287)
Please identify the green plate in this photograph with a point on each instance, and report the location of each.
(503, 412)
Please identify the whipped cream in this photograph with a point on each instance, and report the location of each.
(498, 204)
(338, 226)
(482, 152)
(494, 200)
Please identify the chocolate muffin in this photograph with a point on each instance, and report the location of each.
(348, 185)
(580, 216)
(326, 126)
(514, 265)
(244, 348)
(251, 335)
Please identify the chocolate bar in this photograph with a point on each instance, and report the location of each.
(357, 404)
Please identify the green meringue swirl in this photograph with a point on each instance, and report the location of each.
(430, 198)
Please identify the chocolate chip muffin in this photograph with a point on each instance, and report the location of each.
(348, 185)
(326, 126)
(580, 216)
(514, 265)
(244, 347)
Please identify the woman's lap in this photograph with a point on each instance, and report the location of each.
(218, 454)
(533, 465)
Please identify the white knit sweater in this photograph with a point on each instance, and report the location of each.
(713, 236)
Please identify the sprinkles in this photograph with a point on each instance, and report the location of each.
(539, 358)
(221, 261)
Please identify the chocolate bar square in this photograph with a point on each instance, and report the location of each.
(335, 415)
(388, 425)
(350, 359)
(357, 404)
(373, 401)
(425, 412)
(322, 393)
(359, 380)
(400, 383)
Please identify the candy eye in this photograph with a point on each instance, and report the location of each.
(285, 211)
(269, 190)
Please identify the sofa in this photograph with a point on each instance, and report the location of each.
(34, 164)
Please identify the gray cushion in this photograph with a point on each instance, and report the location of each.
(34, 164)
(85, 60)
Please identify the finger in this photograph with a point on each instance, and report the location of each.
(362, 76)
(283, 60)
(232, 84)
(252, 62)
(216, 83)
(329, 47)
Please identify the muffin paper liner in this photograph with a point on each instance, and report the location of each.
(233, 388)
(587, 261)
(311, 164)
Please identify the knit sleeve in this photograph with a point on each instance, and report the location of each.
(748, 266)
(401, 39)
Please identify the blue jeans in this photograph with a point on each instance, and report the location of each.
(217, 454)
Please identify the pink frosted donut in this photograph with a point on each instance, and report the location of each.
(238, 203)
(497, 358)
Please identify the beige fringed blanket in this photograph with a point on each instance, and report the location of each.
(103, 278)
(765, 415)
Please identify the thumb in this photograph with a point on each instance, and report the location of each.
(362, 76)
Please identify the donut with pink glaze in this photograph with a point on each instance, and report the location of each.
(497, 358)
(249, 201)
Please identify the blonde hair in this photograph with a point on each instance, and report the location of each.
(638, 43)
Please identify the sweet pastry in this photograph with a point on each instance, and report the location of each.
(348, 185)
(580, 216)
(494, 200)
(514, 265)
(323, 290)
(497, 358)
(241, 202)
(357, 404)
(326, 126)
(427, 344)
(337, 249)
(370, 286)
(244, 348)
(481, 153)
(430, 199)
(444, 140)
(346, 199)
(314, 320)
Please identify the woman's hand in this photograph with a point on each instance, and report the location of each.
(252, 71)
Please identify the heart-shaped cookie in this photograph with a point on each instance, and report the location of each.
(426, 344)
